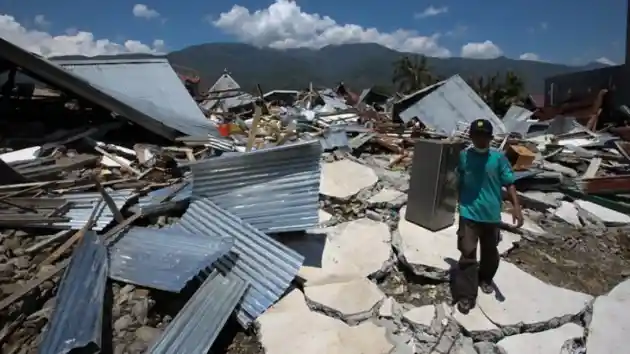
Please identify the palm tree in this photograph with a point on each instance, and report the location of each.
(498, 92)
(514, 89)
(412, 74)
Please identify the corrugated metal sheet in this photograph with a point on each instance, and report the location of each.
(516, 120)
(84, 203)
(228, 100)
(149, 85)
(454, 101)
(198, 324)
(275, 189)
(267, 265)
(78, 316)
(335, 137)
(164, 259)
(332, 100)
(111, 99)
(151, 203)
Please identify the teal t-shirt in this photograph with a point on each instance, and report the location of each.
(481, 177)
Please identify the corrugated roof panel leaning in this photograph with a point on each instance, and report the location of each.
(78, 316)
(164, 259)
(275, 189)
(266, 264)
(197, 325)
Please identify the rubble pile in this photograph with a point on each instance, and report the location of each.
(133, 220)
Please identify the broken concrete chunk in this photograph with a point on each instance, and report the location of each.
(420, 316)
(608, 216)
(568, 212)
(352, 301)
(292, 330)
(387, 308)
(324, 216)
(546, 342)
(390, 198)
(360, 247)
(521, 298)
(343, 179)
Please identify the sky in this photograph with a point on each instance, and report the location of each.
(572, 32)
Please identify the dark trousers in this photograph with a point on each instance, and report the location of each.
(470, 273)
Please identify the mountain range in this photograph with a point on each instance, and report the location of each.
(357, 65)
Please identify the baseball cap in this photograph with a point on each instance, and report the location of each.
(480, 127)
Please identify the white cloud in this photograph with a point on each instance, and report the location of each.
(431, 11)
(143, 11)
(41, 21)
(606, 61)
(483, 50)
(284, 25)
(530, 56)
(79, 43)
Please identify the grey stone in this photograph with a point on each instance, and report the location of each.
(23, 262)
(147, 334)
(6, 269)
(123, 323)
(140, 310)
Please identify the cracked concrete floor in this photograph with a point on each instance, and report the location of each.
(360, 294)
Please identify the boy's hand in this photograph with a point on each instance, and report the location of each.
(517, 217)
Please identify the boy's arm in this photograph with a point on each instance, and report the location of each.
(507, 180)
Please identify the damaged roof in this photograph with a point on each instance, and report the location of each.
(149, 85)
(90, 83)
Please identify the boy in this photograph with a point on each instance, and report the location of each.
(482, 173)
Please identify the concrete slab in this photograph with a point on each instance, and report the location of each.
(343, 179)
(523, 299)
(546, 342)
(420, 316)
(438, 250)
(610, 323)
(621, 292)
(361, 246)
(608, 216)
(351, 300)
(290, 327)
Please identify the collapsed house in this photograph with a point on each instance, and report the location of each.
(130, 220)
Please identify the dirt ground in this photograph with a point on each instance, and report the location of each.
(582, 260)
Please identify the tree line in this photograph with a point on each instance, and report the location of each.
(412, 73)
